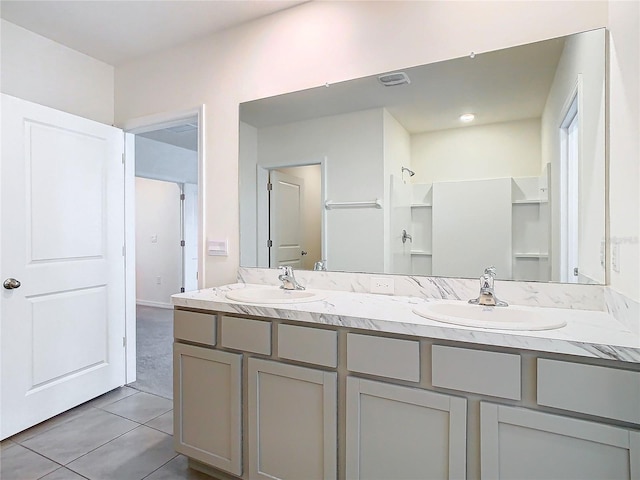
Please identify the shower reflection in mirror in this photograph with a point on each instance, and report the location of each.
(496, 159)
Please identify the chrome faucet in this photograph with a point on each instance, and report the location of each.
(288, 280)
(320, 266)
(487, 295)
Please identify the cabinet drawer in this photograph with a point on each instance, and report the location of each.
(387, 357)
(194, 327)
(487, 373)
(246, 335)
(602, 391)
(311, 345)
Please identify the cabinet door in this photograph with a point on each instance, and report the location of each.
(523, 444)
(404, 433)
(292, 422)
(208, 406)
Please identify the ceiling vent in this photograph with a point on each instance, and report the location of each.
(393, 79)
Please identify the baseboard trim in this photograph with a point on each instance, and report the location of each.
(149, 303)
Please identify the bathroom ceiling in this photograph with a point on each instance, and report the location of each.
(501, 86)
(116, 32)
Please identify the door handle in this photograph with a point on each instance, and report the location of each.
(11, 283)
(303, 252)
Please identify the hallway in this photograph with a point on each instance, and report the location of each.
(154, 331)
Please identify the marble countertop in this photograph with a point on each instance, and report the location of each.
(593, 334)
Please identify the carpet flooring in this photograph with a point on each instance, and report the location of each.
(154, 330)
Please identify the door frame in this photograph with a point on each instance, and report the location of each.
(131, 128)
(262, 207)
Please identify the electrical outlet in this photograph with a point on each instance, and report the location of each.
(158, 280)
(384, 285)
(615, 257)
(154, 238)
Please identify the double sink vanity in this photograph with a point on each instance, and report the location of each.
(373, 376)
(324, 383)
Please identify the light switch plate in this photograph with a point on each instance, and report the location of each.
(218, 247)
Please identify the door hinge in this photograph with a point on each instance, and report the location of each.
(269, 186)
(575, 272)
(181, 289)
(123, 158)
(124, 341)
(124, 250)
(269, 244)
(182, 196)
(182, 243)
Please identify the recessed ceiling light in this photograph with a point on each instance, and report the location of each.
(467, 117)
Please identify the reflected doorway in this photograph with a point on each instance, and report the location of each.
(295, 216)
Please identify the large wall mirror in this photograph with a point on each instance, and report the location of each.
(437, 170)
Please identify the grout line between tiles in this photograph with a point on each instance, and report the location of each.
(170, 460)
(93, 450)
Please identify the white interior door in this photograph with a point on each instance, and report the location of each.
(62, 219)
(285, 222)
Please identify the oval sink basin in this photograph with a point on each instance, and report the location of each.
(273, 295)
(503, 318)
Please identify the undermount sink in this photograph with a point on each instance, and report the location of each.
(273, 295)
(503, 318)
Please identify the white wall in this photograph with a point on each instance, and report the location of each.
(498, 150)
(624, 143)
(40, 70)
(162, 161)
(157, 215)
(307, 46)
(397, 195)
(247, 161)
(579, 59)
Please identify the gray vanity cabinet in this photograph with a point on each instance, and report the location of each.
(208, 406)
(523, 444)
(403, 433)
(292, 421)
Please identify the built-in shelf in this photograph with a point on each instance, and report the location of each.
(529, 202)
(531, 255)
(421, 252)
(421, 205)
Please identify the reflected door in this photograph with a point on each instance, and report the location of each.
(285, 222)
(62, 239)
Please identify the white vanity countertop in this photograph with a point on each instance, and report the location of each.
(587, 333)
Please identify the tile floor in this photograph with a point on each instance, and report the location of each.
(125, 434)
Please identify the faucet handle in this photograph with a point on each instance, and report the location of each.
(490, 271)
(320, 266)
(287, 270)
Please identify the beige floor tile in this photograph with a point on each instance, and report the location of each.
(132, 456)
(164, 423)
(177, 469)
(140, 407)
(6, 443)
(112, 396)
(68, 441)
(19, 463)
(51, 423)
